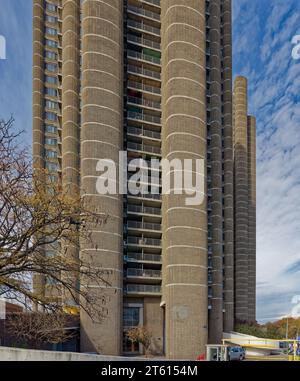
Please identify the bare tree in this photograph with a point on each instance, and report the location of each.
(140, 335)
(36, 215)
(38, 328)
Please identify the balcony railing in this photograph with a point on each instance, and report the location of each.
(143, 41)
(156, 197)
(143, 273)
(144, 12)
(143, 289)
(144, 241)
(143, 209)
(143, 132)
(144, 257)
(143, 57)
(144, 27)
(146, 72)
(144, 117)
(142, 87)
(145, 179)
(143, 148)
(143, 225)
(154, 2)
(144, 102)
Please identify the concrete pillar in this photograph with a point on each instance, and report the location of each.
(38, 84)
(215, 322)
(102, 138)
(71, 118)
(241, 198)
(228, 324)
(252, 218)
(38, 105)
(184, 137)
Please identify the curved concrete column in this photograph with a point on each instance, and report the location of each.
(38, 104)
(184, 137)
(71, 115)
(38, 84)
(241, 198)
(215, 314)
(252, 218)
(228, 324)
(102, 138)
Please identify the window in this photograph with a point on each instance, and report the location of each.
(51, 7)
(50, 91)
(51, 31)
(51, 116)
(51, 80)
(51, 105)
(51, 154)
(51, 67)
(50, 129)
(51, 19)
(131, 316)
(50, 55)
(52, 167)
(51, 141)
(51, 43)
(52, 178)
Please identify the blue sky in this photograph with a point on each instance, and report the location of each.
(263, 30)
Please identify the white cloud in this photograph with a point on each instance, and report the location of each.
(274, 83)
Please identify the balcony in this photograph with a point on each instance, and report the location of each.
(142, 289)
(142, 87)
(144, 117)
(141, 257)
(152, 2)
(143, 226)
(144, 102)
(142, 71)
(143, 273)
(143, 42)
(153, 197)
(143, 57)
(144, 27)
(144, 148)
(143, 209)
(144, 13)
(140, 241)
(145, 180)
(141, 132)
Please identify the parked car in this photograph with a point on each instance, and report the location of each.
(236, 354)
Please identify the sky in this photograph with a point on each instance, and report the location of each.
(262, 34)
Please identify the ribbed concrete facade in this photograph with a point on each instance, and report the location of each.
(102, 138)
(241, 197)
(215, 162)
(38, 136)
(228, 189)
(164, 93)
(38, 83)
(184, 137)
(245, 204)
(252, 218)
(71, 114)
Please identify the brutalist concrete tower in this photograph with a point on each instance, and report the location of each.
(152, 78)
(241, 197)
(252, 218)
(245, 204)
